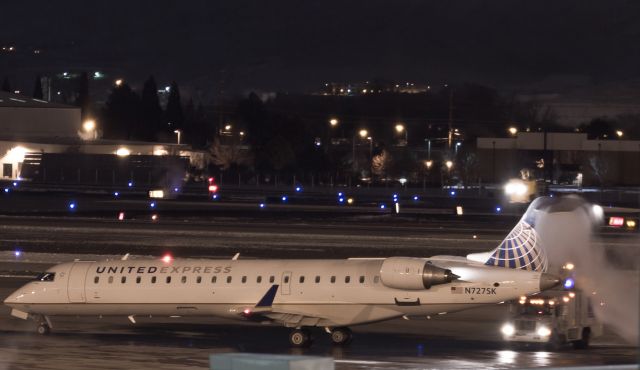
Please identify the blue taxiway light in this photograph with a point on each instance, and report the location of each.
(415, 197)
(284, 198)
(341, 200)
(130, 184)
(116, 194)
(15, 183)
(298, 189)
(175, 189)
(17, 253)
(382, 206)
(340, 194)
(152, 204)
(72, 205)
(452, 193)
(498, 209)
(568, 283)
(261, 205)
(214, 196)
(6, 190)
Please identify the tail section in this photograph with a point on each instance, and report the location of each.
(524, 246)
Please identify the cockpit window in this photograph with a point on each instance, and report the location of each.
(46, 276)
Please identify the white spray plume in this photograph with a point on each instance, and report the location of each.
(567, 237)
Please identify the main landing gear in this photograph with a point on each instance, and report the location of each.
(301, 337)
(341, 336)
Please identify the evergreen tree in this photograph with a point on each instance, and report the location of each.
(174, 115)
(37, 90)
(152, 123)
(122, 113)
(6, 86)
(83, 100)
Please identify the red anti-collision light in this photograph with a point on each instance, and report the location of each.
(616, 221)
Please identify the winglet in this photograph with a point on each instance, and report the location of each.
(270, 295)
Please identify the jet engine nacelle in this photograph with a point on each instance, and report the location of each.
(413, 274)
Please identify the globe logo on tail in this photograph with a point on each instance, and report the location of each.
(520, 250)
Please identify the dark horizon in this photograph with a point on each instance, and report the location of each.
(289, 46)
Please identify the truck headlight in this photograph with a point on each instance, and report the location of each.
(543, 331)
(515, 188)
(508, 330)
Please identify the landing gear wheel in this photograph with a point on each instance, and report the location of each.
(43, 329)
(341, 336)
(300, 338)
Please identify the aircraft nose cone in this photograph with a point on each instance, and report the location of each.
(548, 281)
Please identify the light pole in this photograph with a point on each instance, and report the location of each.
(89, 126)
(400, 128)
(178, 133)
(363, 134)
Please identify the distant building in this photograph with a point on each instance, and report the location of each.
(568, 158)
(373, 87)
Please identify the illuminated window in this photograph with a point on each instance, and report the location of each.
(153, 280)
(228, 279)
(347, 279)
(333, 280)
(361, 279)
(184, 279)
(168, 279)
(199, 279)
(110, 279)
(96, 279)
(272, 279)
(259, 279)
(317, 279)
(301, 279)
(214, 279)
(138, 280)
(244, 279)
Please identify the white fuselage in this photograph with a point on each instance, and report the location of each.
(309, 293)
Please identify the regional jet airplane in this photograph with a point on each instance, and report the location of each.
(300, 294)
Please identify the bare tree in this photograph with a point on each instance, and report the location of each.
(227, 155)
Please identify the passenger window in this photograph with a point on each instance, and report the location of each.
(96, 279)
(214, 279)
(347, 279)
(184, 279)
(301, 279)
(168, 279)
(272, 279)
(153, 280)
(376, 279)
(259, 279)
(228, 279)
(333, 280)
(286, 279)
(361, 279)
(199, 279)
(123, 279)
(317, 279)
(138, 279)
(110, 279)
(244, 279)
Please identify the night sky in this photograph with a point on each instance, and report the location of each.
(299, 45)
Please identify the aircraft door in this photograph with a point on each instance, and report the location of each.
(76, 282)
(286, 283)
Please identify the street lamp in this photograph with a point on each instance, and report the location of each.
(119, 82)
(89, 127)
(449, 164)
(178, 132)
(456, 148)
(619, 133)
(363, 133)
(400, 128)
(513, 130)
(334, 122)
(428, 164)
